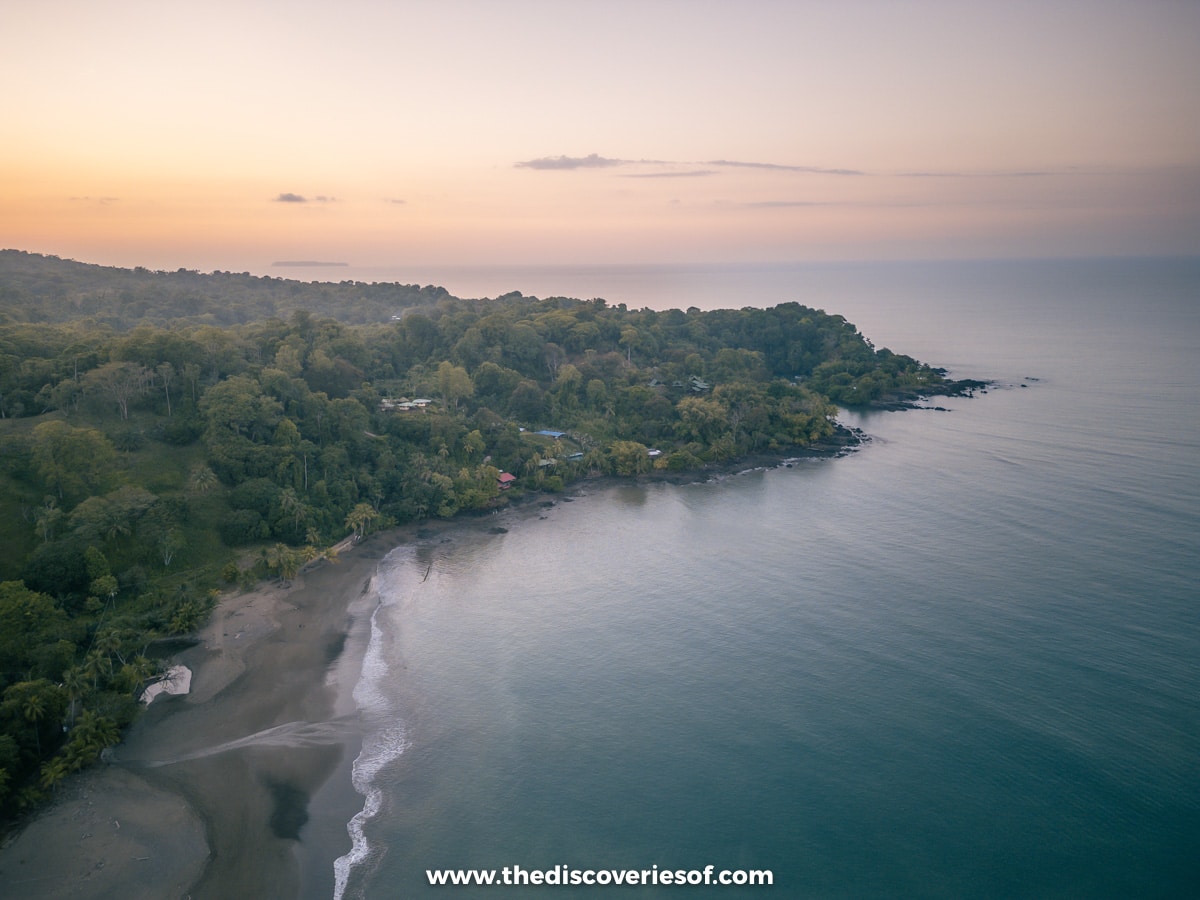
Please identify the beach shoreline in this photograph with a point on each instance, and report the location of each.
(208, 793)
(242, 786)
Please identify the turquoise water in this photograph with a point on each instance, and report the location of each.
(960, 662)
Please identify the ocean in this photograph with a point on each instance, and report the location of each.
(960, 662)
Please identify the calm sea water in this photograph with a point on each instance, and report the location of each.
(960, 662)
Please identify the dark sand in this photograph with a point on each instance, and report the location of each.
(242, 787)
(177, 812)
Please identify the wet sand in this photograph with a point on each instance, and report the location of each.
(242, 788)
(208, 796)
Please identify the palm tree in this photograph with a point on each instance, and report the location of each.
(270, 556)
(109, 643)
(291, 504)
(49, 518)
(54, 771)
(89, 737)
(34, 709)
(94, 663)
(202, 480)
(75, 683)
(116, 527)
(289, 564)
(360, 518)
(137, 672)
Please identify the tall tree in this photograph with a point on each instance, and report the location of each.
(122, 381)
(454, 383)
(72, 462)
(166, 374)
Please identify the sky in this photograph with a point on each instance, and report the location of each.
(230, 134)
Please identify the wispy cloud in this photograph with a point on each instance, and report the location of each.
(596, 161)
(103, 201)
(560, 163)
(779, 167)
(289, 197)
(395, 201)
(1032, 174)
(695, 173)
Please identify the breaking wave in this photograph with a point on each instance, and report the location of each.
(384, 739)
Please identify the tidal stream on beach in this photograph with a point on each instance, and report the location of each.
(958, 662)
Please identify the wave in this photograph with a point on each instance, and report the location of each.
(384, 739)
(378, 750)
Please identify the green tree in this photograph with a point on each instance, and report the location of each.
(113, 515)
(170, 542)
(54, 771)
(89, 737)
(75, 684)
(701, 419)
(360, 518)
(71, 462)
(202, 479)
(29, 621)
(49, 517)
(454, 383)
(237, 407)
(629, 457)
(166, 374)
(120, 381)
(34, 710)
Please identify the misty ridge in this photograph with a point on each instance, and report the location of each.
(37, 288)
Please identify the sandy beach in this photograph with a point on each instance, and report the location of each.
(208, 795)
(241, 787)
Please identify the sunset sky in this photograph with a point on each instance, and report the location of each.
(231, 133)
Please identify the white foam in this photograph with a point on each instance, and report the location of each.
(378, 750)
(381, 744)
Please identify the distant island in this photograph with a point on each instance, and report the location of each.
(301, 263)
(165, 436)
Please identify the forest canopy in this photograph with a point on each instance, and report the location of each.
(165, 434)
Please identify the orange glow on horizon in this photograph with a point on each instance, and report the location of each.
(229, 137)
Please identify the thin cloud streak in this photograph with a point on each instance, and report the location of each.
(977, 174)
(565, 163)
(289, 197)
(698, 173)
(778, 167)
(596, 161)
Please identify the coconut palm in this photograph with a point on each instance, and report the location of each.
(289, 565)
(75, 683)
(33, 708)
(109, 643)
(54, 771)
(202, 479)
(292, 505)
(360, 518)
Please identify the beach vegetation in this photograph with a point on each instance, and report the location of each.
(164, 434)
